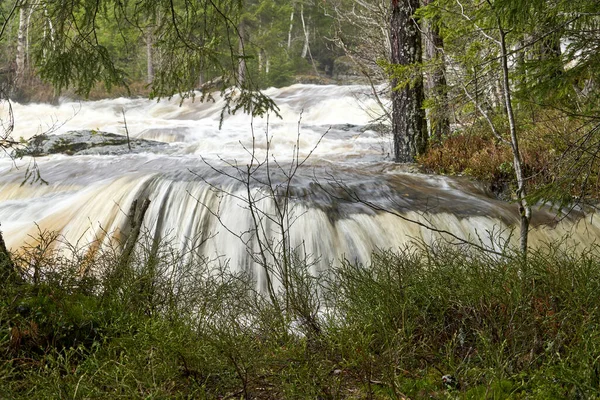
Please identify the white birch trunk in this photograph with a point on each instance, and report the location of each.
(241, 75)
(21, 44)
(305, 48)
(289, 42)
(149, 56)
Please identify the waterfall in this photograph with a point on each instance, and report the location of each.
(346, 201)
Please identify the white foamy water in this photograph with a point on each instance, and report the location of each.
(192, 127)
(197, 195)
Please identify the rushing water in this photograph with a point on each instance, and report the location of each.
(197, 197)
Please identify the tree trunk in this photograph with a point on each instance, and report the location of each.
(550, 51)
(7, 267)
(241, 74)
(149, 57)
(408, 117)
(439, 123)
(524, 207)
(306, 33)
(289, 41)
(135, 220)
(21, 44)
(306, 47)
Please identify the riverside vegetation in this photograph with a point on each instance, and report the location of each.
(161, 326)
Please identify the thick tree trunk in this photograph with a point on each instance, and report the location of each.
(439, 123)
(408, 117)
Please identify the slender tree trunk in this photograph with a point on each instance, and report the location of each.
(408, 118)
(48, 30)
(289, 41)
(136, 215)
(550, 51)
(306, 32)
(21, 44)
(201, 79)
(30, 11)
(439, 123)
(524, 207)
(306, 48)
(241, 75)
(149, 56)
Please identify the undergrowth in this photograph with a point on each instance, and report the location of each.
(560, 162)
(172, 324)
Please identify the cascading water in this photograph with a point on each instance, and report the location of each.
(89, 195)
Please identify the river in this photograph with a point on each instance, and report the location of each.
(347, 199)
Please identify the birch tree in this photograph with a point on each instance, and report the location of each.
(22, 48)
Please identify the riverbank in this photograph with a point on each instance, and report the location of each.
(166, 328)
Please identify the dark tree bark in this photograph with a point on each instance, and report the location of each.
(435, 86)
(408, 116)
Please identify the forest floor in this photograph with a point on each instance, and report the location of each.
(416, 324)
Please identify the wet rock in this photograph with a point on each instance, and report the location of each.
(346, 127)
(87, 142)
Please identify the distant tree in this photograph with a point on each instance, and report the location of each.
(435, 83)
(190, 38)
(362, 33)
(22, 48)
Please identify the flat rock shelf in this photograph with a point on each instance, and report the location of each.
(87, 142)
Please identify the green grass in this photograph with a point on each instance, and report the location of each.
(168, 327)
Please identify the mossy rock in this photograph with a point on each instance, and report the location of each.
(86, 142)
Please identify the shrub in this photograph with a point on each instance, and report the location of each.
(558, 160)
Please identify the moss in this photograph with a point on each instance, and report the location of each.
(66, 147)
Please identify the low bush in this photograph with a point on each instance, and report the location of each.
(559, 162)
(175, 325)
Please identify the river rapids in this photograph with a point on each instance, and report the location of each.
(346, 197)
